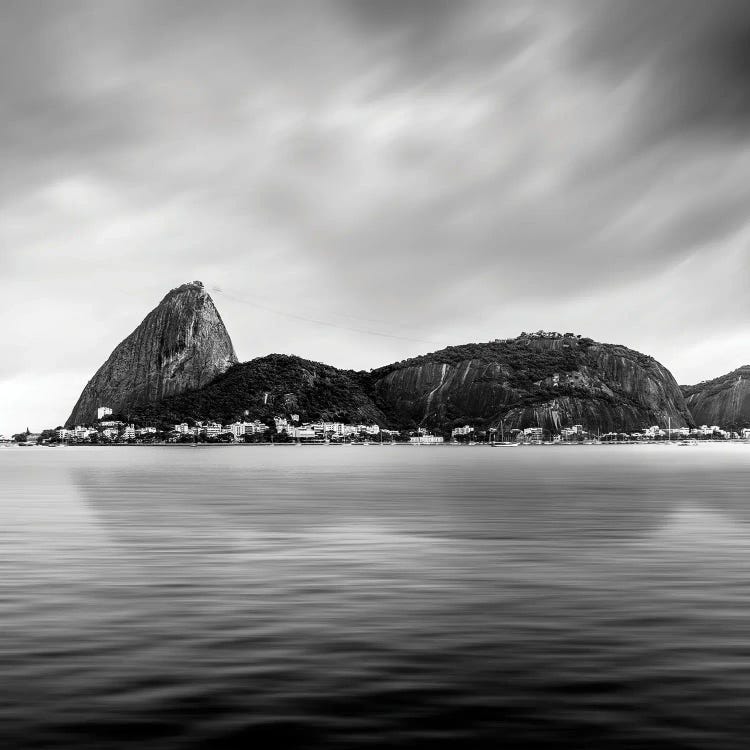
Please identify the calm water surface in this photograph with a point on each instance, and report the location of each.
(375, 596)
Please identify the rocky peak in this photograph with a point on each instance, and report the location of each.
(180, 345)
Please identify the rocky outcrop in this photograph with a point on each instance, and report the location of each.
(723, 401)
(547, 380)
(181, 344)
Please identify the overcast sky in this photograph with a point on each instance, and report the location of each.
(441, 172)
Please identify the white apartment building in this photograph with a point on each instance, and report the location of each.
(534, 434)
(426, 439)
(212, 429)
(465, 430)
(305, 431)
(129, 432)
(334, 428)
(239, 429)
(103, 411)
(182, 428)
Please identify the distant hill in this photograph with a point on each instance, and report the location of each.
(267, 386)
(723, 401)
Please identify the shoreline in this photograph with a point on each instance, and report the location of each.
(652, 444)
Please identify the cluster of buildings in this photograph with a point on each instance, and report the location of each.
(326, 430)
(109, 430)
(423, 437)
(213, 429)
(290, 427)
(116, 431)
(702, 433)
(537, 435)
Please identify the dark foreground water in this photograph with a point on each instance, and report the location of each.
(375, 596)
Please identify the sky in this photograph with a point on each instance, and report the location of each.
(367, 180)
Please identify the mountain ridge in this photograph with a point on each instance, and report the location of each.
(552, 381)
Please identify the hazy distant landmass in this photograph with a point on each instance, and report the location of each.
(722, 401)
(179, 365)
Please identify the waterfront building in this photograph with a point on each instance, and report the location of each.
(182, 428)
(304, 431)
(213, 429)
(465, 430)
(240, 429)
(572, 433)
(424, 438)
(333, 428)
(129, 432)
(533, 434)
(83, 433)
(110, 433)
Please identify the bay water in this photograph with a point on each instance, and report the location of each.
(368, 596)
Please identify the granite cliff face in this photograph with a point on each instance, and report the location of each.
(723, 401)
(551, 381)
(181, 344)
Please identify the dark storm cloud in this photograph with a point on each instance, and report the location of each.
(694, 57)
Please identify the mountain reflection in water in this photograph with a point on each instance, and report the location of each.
(340, 597)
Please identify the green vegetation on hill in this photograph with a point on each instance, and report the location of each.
(264, 387)
(526, 363)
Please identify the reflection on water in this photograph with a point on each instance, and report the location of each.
(325, 597)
